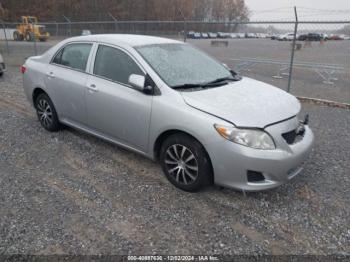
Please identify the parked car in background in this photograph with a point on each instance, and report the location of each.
(194, 35)
(172, 103)
(212, 35)
(325, 36)
(86, 32)
(190, 34)
(223, 35)
(344, 37)
(204, 35)
(335, 37)
(273, 37)
(2, 65)
(197, 35)
(310, 37)
(261, 35)
(251, 35)
(233, 35)
(286, 37)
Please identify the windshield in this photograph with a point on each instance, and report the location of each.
(32, 20)
(181, 64)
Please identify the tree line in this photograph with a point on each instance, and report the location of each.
(94, 10)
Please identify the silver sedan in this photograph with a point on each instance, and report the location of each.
(172, 103)
(2, 66)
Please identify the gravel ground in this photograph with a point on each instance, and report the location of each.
(70, 193)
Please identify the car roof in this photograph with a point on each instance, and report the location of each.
(131, 40)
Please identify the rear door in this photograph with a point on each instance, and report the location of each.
(114, 108)
(66, 79)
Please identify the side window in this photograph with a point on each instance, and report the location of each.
(74, 56)
(115, 64)
(58, 57)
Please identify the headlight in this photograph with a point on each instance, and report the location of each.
(248, 137)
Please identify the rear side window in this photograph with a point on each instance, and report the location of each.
(114, 64)
(74, 56)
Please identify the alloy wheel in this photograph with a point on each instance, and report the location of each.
(45, 113)
(181, 164)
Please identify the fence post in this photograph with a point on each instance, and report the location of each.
(6, 40)
(56, 29)
(293, 50)
(69, 24)
(115, 22)
(34, 39)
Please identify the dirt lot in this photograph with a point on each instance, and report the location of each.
(70, 193)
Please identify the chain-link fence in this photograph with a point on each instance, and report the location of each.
(309, 59)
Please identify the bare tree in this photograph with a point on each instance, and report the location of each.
(78, 10)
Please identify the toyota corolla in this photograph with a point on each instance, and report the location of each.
(170, 102)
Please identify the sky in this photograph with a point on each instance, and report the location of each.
(315, 10)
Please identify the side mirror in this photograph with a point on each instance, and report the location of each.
(137, 82)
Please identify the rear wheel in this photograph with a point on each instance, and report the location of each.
(185, 162)
(17, 36)
(46, 113)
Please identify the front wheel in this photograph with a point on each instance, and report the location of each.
(15, 36)
(29, 36)
(185, 163)
(46, 113)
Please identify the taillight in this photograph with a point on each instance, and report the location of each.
(23, 69)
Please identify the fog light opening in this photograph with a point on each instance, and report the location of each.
(254, 176)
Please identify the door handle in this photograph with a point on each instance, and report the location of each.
(92, 88)
(50, 75)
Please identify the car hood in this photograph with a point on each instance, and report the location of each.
(245, 103)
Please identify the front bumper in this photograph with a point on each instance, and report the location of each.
(2, 67)
(231, 162)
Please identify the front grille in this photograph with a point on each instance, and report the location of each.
(295, 135)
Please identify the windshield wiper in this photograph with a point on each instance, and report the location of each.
(224, 79)
(185, 86)
(215, 83)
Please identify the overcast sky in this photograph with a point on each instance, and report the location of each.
(307, 9)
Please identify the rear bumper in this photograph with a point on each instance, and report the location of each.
(278, 166)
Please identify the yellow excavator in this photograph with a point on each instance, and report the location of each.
(30, 30)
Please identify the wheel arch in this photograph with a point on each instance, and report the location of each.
(36, 92)
(164, 135)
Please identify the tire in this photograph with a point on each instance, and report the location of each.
(46, 113)
(29, 37)
(15, 36)
(185, 163)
